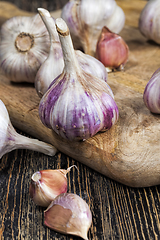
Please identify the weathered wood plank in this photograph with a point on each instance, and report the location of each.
(119, 212)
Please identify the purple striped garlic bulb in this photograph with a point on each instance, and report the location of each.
(151, 95)
(54, 64)
(77, 104)
(24, 46)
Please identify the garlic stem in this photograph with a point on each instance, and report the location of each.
(11, 140)
(50, 25)
(22, 142)
(68, 49)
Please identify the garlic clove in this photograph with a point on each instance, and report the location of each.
(77, 105)
(24, 46)
(151, 93)
(54, 63)
(112, 50)
(69, 214)
(11, 140)
(46, 185)
(86, 18)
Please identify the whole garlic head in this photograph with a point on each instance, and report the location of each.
(77, 104)
(24, 45)
(151, 95)
(149, 21)
(86, 18)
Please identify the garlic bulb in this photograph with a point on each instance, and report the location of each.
(54, 64)
(77, 105)
(46, 185)
(69, 214)
(86, 18)
(151, 95)
(112, 50)
(11, 140)
(149, 21)
(24, 46)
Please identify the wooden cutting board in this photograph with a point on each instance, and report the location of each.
(130, 151)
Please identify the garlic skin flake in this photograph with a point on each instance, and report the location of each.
(11, 140)
(149, 21)
(24, 45)
(69, 214)
(86, 18)
(151, 95)
(77, 105)
(53, 66)
(46, 185)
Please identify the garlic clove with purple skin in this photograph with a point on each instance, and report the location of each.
(77, 105)
(69, 214)
(112, 50)
(54, 64)
(46, 185)
(24, 46)
(11, 140)
(151, 95)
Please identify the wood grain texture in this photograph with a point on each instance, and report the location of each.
(119, 212)
(129, 151)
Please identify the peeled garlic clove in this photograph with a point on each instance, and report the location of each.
(86, 18)
(54, 64)
(149, 21)
(46, 185)
(11, 140)
(112, 50)
(69, 214)
(24, 46)
(151, 93)
(77, 105)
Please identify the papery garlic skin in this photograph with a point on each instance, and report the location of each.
(24, 45)
(149, 21)
(69, 214)
(112, 50)
(116, 21)
(46, 185)
(151, 95)
(91, 65)
(11, 140)
(54, 64)
(77, 105)
(85, 19)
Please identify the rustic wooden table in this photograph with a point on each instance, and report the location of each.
(119, 211)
